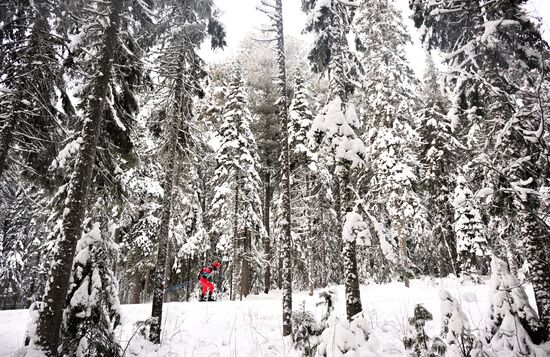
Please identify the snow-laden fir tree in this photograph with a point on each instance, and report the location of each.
(388, 105)
(497, 58)
(455, 331)
(438, 156)
(471, 242)
(303, 179)
(33, 97)
(512, 327)
(334, 130)
(235, 209)
(93, 310)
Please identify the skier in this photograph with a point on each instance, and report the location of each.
(205, 277)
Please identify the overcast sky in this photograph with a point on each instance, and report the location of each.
(240, 18)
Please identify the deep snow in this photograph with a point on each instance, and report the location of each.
(253, 327)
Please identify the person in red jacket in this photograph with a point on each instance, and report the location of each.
(205, 277)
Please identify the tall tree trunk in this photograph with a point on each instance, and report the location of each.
(168, 268)
(146, 286)
(246, 274)
(309, 237)
(536, 242)
(404, 254)
(283, 116)
(51, 314)
(159, 278)
(267, 240)
(236, 245)
(136, 288)
(351, 282)
(6, 137)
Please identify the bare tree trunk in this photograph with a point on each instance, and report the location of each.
(246, 274)
(51, 314)
(267, 240)
(136, 288)
(236, 245)
(536, 242)
(146, 286)
(6, 137)
(159, 278)
(351, 282)
(310, 247)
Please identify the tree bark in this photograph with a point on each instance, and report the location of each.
(159, 278)
(6, 137)
(310, 247)
(236, 245)
(51, 314)
(246, 273)
(136, 289)
(267, 240)
(351, 282)
(536, 244)
(283, 115)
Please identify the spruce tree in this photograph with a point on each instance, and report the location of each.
(235, 211)
(471, 242)
(389, 106)
(513, 326)
(439, 154)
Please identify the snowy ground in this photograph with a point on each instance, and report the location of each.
(253, 327)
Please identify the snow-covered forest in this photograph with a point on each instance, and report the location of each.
(356, 207)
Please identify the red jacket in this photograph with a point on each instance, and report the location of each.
(206, 272)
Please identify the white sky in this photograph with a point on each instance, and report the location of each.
(240, 17)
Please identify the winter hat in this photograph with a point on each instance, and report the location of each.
(216, 265)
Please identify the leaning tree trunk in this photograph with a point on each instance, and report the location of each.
(51, 314)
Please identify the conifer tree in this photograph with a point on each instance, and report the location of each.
(455, 331)
(104, 40)
(235, 211)
(471, 244)
(438, 157)
(513, 326)
(93, 310)
(389, 105)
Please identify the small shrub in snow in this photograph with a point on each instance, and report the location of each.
(455, 331)
(342, 338)
(417, 341)
(305, 332)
